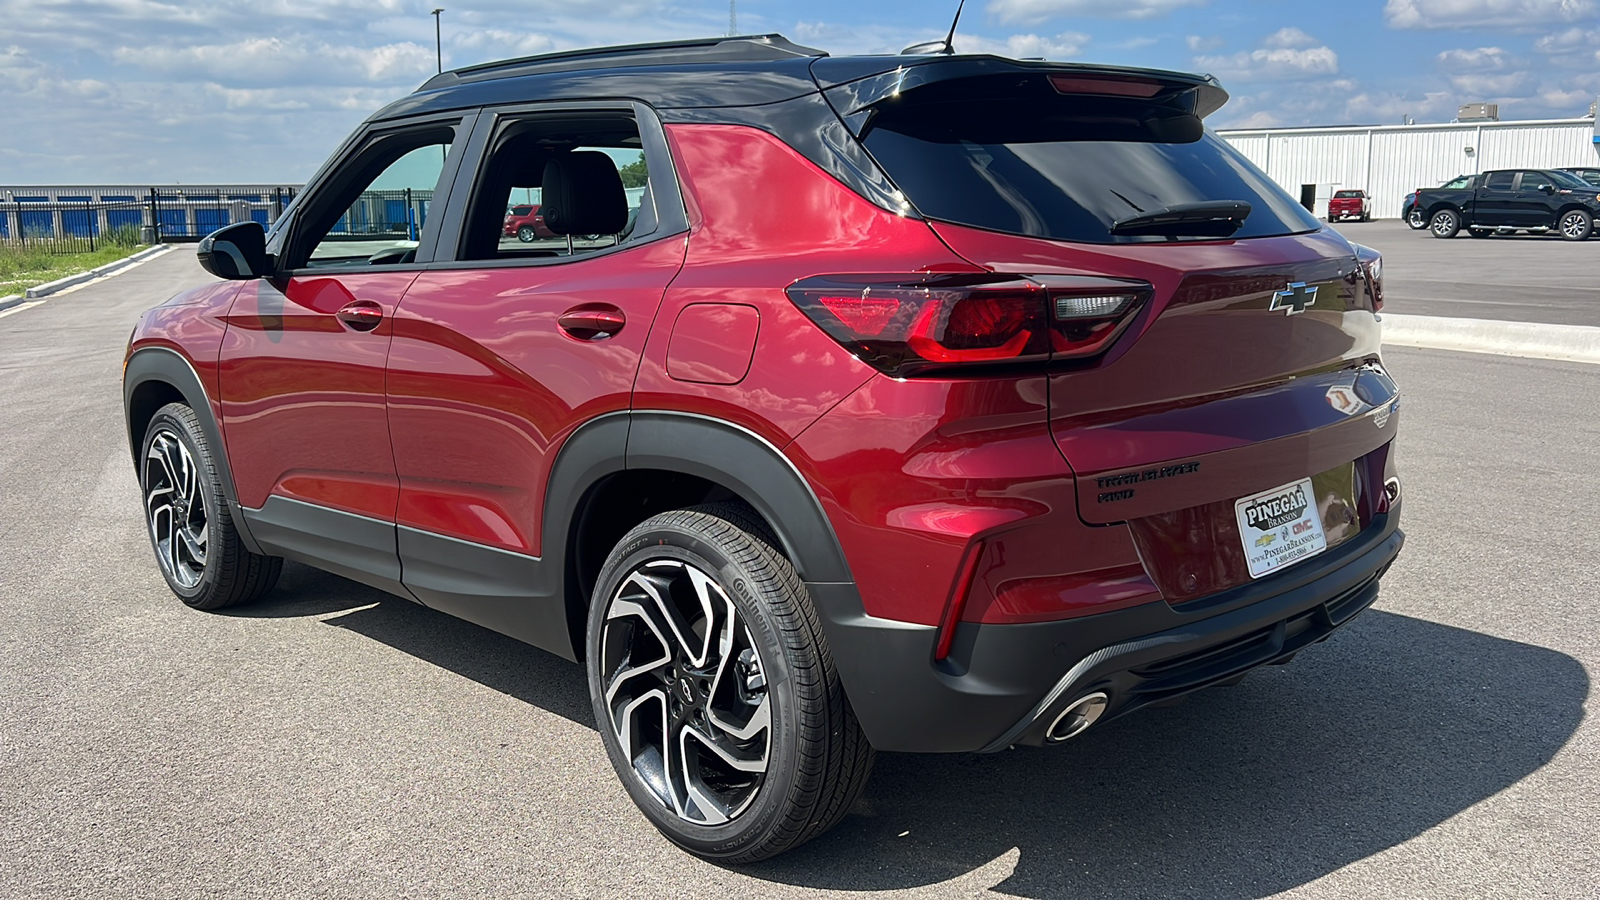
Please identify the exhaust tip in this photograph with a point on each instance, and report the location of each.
(1077, 717)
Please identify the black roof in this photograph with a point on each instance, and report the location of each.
(743, 71)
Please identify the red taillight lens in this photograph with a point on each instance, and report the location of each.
(914, 324)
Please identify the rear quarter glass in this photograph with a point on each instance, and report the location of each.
(1029, 161)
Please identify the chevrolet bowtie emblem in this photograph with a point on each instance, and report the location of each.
(1294, 299)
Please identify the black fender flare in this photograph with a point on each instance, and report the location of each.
(750, 466)
(167, 366)
(721, 452)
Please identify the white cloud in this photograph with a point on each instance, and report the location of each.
(1203, 44)
(1026, 46)
(1483, 58)
(1493, 87)
(285, 60)
(1033, 12)
(1286, 55)
(1512, 14)
(1581, 39)
(1291, 38)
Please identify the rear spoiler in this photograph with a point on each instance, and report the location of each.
(854, 90)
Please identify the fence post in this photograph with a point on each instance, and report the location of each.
(88, 216)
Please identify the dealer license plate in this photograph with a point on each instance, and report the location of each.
(1280, 527)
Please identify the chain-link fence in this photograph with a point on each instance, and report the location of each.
(65, 223)
(61, 222)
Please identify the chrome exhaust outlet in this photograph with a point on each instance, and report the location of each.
(1077, 717)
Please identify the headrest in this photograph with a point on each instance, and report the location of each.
(582, 194)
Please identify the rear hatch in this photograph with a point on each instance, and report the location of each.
(1250, 363)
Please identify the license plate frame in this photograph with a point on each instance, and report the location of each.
(1280, 527)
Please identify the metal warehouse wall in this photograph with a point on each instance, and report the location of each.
(1391, 161)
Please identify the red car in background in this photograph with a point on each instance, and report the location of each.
(1032, 403)
(1349, 205)
(526, 223)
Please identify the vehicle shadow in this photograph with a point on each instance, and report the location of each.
(1387, 730)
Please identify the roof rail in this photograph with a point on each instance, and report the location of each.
(741, 48)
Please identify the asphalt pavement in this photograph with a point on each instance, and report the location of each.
(335, 742)
(1519, 278)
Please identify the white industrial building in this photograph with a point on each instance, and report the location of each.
(1390, 161)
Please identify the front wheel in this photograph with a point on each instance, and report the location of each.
(716, 697)
(526, 234)
(199, 550)
(1446, 223)
(1576, 225)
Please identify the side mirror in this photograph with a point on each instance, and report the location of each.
(237, 252)
(1547, 189)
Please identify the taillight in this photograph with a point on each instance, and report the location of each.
(914, 324)
(1371, 262)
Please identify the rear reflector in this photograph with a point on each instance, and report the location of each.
(917, 324)
(958, 601)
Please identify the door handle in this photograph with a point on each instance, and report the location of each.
(592, 322)
(361, 315)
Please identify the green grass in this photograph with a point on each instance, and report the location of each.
(25, 267)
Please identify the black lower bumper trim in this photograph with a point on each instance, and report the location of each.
(1003, 683)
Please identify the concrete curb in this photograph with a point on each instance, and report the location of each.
(61, 284)
(1534, 340)
(13, 300)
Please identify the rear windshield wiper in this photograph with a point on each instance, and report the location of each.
(1212, 218)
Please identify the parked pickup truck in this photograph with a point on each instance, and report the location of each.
(1505, 201)
(1349, 205)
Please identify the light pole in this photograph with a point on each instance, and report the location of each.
(438, 45)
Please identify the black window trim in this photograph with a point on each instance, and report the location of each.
(328, 179)
(672, 218)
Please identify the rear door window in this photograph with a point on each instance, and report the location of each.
(1023, 159)
(1498, 181)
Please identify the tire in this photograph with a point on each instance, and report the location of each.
(1416, 219)
(1366, 217)
(1576, 225)
(197, 547)
(1481, 232)
(526, 234)
(740, 748)
(1445, 224)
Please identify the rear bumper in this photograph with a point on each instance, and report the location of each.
(1004, 684)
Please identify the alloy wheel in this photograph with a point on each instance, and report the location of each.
(175, 509)
(686, 691)
(1574, 225)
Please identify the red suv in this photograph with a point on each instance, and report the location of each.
(928, 403)
(526, 224)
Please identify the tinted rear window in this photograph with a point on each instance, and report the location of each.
(521, 210)
(1346, 195)
(1065, 167)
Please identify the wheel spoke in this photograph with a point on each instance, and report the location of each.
(195, 550)
(688, 700)
(735, 759)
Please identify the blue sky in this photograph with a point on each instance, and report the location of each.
(161, 91)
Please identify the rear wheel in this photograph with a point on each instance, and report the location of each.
(1416, 219)
(716, 697)
(1576, 225)
(525, 234)
(199, 550)
(1446, 223)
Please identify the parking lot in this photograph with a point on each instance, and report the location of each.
(337, 742)
(1521, 278)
